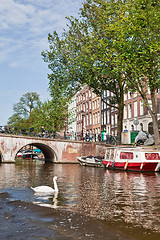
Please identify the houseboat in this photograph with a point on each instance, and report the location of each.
(134, 158)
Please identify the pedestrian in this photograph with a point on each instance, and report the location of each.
(42, 131)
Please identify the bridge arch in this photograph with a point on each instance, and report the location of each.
(54, 150)
(48, 152)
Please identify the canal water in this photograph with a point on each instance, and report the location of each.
(92, 203)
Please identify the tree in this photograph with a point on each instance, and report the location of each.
(22, 116)
(51, 114)
(82, 57)
(139, 29)
(112, 46)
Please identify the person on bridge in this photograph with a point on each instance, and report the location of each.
(42, 131)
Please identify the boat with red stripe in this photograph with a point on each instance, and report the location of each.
(142, 159)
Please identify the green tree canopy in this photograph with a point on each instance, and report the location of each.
(113, 45)
(22, 116)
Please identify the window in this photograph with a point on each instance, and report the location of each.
(150, 103)
(112, 120)
(102, 105)
(95, 104)
(84, 121)
(141, 125)
(135, 109)
(84, 107)
(141, 108)
(115, 119)
(104, 117)
(135, 94)
(125, 96)
(98, 103)
(152, 156)
(87, 105)
(108, 117)
(107, 155)
(125, 112)
(87, 119)
(129, 95)
(126, 155)
(98, 117)
(129, 110)
(90, 118)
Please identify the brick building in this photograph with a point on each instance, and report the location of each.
(134, 109)
(94, 116)
(84, 112)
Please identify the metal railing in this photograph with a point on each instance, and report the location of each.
(32, 132)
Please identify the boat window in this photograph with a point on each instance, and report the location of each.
(152, 156)
(126, 155)
(112, 154)
(107, 154)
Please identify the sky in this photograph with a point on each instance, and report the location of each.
(24, 28)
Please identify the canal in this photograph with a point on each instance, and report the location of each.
(92, 203)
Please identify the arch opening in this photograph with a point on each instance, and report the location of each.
(48, 152)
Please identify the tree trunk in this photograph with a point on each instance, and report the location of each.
(155, 129)
(153, 113)
(120, 121)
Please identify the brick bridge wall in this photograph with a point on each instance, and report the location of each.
(54, 150)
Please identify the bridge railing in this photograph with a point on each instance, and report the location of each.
(108, 139)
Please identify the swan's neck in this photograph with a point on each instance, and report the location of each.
(55, 185)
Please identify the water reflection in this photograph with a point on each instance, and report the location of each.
(46, 200)
(119, 197)
(133, 197)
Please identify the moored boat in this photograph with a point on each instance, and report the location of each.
(29, 156)
(91, 161)
(132, 158)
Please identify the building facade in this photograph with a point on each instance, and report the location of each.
(93, 116)
(96, 115)
(72, 119)
(136, 115)
(84, 112)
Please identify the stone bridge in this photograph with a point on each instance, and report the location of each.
(54, 150)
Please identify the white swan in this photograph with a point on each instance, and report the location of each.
(46, 189)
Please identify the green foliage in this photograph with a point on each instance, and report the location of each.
(113, 45)
(51, 115)
(29, 112)
(22, 116)
(84, 55)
